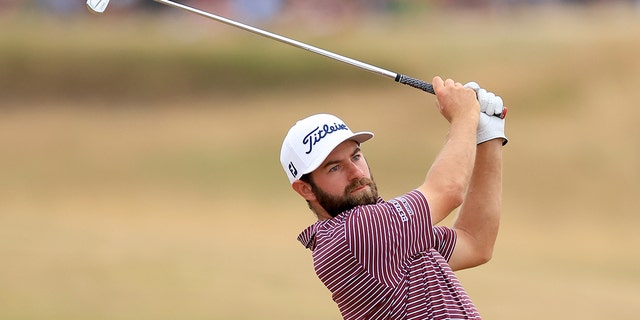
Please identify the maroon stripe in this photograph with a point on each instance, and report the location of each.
(387, 260)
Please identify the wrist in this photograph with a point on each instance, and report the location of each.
(464, 125)
(466, 120)
(493, 143)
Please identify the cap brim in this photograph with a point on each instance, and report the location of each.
(359, 137)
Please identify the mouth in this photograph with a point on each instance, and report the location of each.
(359, 189)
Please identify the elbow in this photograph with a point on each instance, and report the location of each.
(455, 193)
(445, 195)
(471, 261)
(484, 253)
(484, 257)
(478, 259)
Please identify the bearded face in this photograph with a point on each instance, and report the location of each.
(334, 205)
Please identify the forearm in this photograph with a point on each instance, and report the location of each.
(479, 216)
(450, 173)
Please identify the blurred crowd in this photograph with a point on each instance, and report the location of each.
(266, 9)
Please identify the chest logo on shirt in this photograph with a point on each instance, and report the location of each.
(399, 210)
(402, 208)
(407, 206)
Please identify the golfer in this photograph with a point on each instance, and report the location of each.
(388, 259)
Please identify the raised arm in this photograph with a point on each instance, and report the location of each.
(448, 178)
(479, 217)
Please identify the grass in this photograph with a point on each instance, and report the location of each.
(133, 201)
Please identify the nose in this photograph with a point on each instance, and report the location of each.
(355, 172)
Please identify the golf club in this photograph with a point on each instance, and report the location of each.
(99, 6)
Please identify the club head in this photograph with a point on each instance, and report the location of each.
(97, 6)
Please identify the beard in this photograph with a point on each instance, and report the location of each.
(334, 205)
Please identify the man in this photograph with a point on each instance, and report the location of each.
(387, 259)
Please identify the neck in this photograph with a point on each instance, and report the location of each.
(320, 212)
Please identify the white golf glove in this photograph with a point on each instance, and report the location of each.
(490, 125)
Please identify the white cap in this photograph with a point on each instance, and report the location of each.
(310, 140)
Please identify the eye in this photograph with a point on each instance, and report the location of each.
(334, 168)
(356, 157)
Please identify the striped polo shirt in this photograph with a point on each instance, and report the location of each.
(387, 261)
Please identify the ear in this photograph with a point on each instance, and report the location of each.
(304, 189)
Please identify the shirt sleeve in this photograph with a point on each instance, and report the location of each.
(383, 236)
(444, 241)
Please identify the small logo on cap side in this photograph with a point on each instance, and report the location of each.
(293, 169)
(318, 134)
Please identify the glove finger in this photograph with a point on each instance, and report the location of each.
(473, 85)
(491, 103)
(483, 99)
(499, 106)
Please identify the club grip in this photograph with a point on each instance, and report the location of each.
(419, 84)
(416, 83)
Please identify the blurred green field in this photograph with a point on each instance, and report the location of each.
(140, 175)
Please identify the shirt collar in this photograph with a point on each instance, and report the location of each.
(308, 236)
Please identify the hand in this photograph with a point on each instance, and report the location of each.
(489, 127)
(454, 101)
(489, 102)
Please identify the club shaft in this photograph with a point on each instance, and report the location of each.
(286, 40)
(98, 6)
